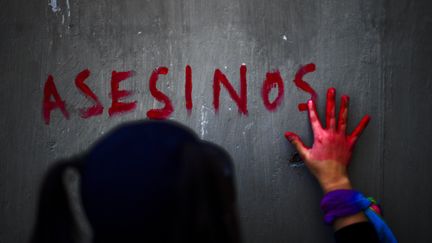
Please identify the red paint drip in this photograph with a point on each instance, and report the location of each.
(308, 68)
(116, 94)
(48, 105)
(97, 108)
(188, 89)
(166, 111)
(241, 101)
(272, 80)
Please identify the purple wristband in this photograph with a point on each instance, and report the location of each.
(341, 203)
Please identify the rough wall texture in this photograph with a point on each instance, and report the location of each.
(379, 52)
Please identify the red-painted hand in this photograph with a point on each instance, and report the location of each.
(329, 156)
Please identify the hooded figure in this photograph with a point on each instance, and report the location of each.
(148, 181)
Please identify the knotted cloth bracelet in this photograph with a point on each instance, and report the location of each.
(341, 203)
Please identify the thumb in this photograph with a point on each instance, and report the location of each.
(297, 142)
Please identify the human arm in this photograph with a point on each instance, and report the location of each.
(330, 154)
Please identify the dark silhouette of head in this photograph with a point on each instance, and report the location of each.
(147, 181)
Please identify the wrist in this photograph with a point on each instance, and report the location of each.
(342, 183)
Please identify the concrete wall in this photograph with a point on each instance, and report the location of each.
(378, 52)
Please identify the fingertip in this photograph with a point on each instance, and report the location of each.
(366, 119)
(345, 98)
(290, 136)
(310, 104)
(295, 140)
(331, 91)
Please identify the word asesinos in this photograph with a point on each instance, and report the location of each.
(52, 99)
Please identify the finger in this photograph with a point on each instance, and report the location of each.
(330, 109)
(313, 117)
(359, 129)
(297, 142)
(343, 113)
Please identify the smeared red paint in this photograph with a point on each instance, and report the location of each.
(298, 80)
(166, 111)
(188, 89)
(97, 108)
(241, 101)
(272, 80)
(48, 105)
(116, 94)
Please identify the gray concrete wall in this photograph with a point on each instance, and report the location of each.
(378, 52)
